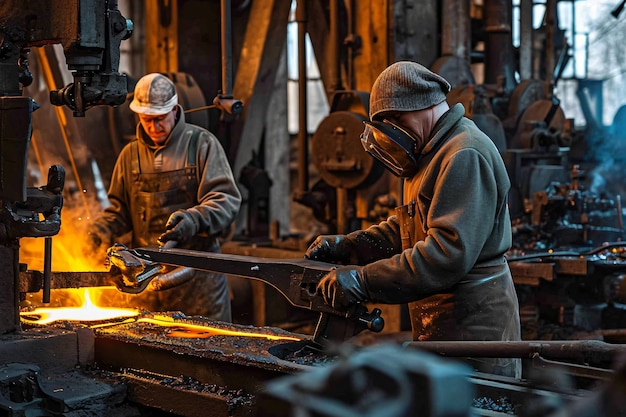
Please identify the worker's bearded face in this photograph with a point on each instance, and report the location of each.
(158, 127)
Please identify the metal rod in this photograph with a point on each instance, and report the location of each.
(585, 350)
(334, 49)
(351, 44)
(303, 145)
(550, 22)
(455, 38)
(47, 269)
(227, 82)
(499, 66)
(526, 40)
(16, 285)
(172, 279)
(618, 206)
(342, 218)
(574, 370)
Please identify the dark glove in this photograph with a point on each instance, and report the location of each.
(98, 240)
(180, 227)
(335, 249)
(343, 286)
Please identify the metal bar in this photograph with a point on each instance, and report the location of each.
(227, 61)
(16, 295)
(303, 146)
(47, 269)
(526, 40)
(32, 280)
(618, 206)
(587, 351)
(295, 279)
(550, 25)
(456, 36)
(574, 370)
(334, 46)
(499, 65)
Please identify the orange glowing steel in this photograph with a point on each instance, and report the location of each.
(196, 331)
(87, 312)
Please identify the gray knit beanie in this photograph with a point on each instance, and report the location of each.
(407, 86)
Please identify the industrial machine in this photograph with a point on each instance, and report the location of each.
(91, 33)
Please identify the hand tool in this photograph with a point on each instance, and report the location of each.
(295, 279)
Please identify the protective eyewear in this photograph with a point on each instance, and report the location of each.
(391, 145)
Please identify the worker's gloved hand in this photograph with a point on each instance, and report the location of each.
(98, 240)
(180, 227)
(343, 287)
(335, 249)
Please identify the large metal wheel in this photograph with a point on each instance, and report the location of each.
(338, 154)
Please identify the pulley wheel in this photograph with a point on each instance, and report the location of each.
(338, 155)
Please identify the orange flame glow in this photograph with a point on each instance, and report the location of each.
(68, 248)
(89, 312)
(86, 312)
(195, 331)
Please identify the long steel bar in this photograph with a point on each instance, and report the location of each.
(587, 351)
(295, 279)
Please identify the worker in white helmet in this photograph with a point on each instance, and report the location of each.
(172, 185)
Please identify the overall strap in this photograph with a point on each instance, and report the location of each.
(191, 153)
(135, 168)
(193, 147)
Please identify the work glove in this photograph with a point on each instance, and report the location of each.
(98, 240)
(343, 287)
(336, 249)
(180, 228)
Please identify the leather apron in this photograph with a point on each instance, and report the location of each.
(155, 196)
(482, 306)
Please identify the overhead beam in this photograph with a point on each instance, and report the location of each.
(254, 84)
(264, 41)
(162, 38)
(371, 43)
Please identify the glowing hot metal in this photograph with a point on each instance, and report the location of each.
(85, 313)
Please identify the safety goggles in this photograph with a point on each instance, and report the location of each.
(391, 145)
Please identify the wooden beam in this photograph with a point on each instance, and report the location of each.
(162, 38)
(263, 44)
(372, 42)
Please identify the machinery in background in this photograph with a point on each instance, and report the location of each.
(567, 254)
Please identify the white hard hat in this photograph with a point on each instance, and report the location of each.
(154, 94)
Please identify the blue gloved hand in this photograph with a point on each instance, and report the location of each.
(343, 287)
(335, 249)
(180, 228)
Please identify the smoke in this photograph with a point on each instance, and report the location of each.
(606, 154)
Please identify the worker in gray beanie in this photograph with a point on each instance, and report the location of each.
(407, 86)
(442, 252)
